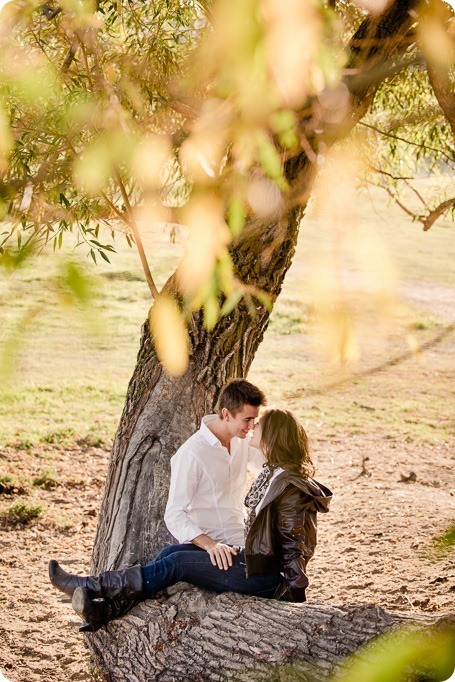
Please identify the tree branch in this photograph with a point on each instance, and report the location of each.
(392, 362)
(427, 220)
(402, 139)
(399, 203)
(131, 222)
(70, 56)
(436, 213)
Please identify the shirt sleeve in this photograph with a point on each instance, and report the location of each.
(184, 482)
(255, 460)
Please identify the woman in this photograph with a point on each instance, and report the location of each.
(280, 538)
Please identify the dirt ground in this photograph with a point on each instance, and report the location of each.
(392, 496)
(373, 545)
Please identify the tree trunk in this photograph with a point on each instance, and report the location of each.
(196, 636)
(161, 412)
(193, 635)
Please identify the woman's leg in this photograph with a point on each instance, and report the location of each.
(126, 583)
(195, 567)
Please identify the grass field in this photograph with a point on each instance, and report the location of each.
(73, 368)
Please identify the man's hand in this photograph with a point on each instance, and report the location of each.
(220, 554)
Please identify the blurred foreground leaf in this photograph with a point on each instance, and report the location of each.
(169, 334)
(404, 656)
(443, 544)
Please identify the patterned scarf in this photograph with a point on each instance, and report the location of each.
(255, 495)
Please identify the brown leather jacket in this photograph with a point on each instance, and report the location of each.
(284, 533)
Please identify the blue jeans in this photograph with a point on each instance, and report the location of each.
(192, 564)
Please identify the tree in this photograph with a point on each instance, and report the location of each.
(104, 130)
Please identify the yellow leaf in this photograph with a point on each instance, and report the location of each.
(169, 335)
(151, 156)
(6, 140)
(207, 242)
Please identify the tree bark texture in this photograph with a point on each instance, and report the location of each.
(198, 636)
(161, 411)
(192, 635)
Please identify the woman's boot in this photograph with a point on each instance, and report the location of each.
(124, 584)
(97, 613)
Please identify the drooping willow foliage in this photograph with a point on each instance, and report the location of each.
(119, 115)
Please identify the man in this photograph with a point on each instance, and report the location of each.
(209, 472)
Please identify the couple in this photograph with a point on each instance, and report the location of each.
(265, 556)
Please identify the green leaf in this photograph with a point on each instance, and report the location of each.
(390, 657)
(250, 305)
(266, 300)
(270, 159)
(284, 125)
(75, 283)
(13, 343)
(231, 302)
(211, 312)
(236, 215)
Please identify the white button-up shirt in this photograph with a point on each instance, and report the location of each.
(208, 487)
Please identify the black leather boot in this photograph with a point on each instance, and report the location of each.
(97, 613)
(66, 582)
(124, 584)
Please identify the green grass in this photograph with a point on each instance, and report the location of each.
(73, 367)
(47, 480)
(10, 485)
(21, 512)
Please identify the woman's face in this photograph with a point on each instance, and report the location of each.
(257, 435)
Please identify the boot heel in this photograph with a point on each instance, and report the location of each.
(81, 602)
(94, 614)
(86, 627)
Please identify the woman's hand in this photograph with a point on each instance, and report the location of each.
(221, 555)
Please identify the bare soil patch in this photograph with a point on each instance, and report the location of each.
(373, 547)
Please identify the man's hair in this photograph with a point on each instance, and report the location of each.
(236, 394)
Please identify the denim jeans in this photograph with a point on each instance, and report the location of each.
(191, 564)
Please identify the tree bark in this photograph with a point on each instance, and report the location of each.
(444, 89)
(162, 411)
(191, 635)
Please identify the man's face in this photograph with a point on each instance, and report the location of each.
(242, 422)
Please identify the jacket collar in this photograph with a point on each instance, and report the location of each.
(320, 493)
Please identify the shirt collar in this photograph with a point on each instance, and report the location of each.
(205, 431)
